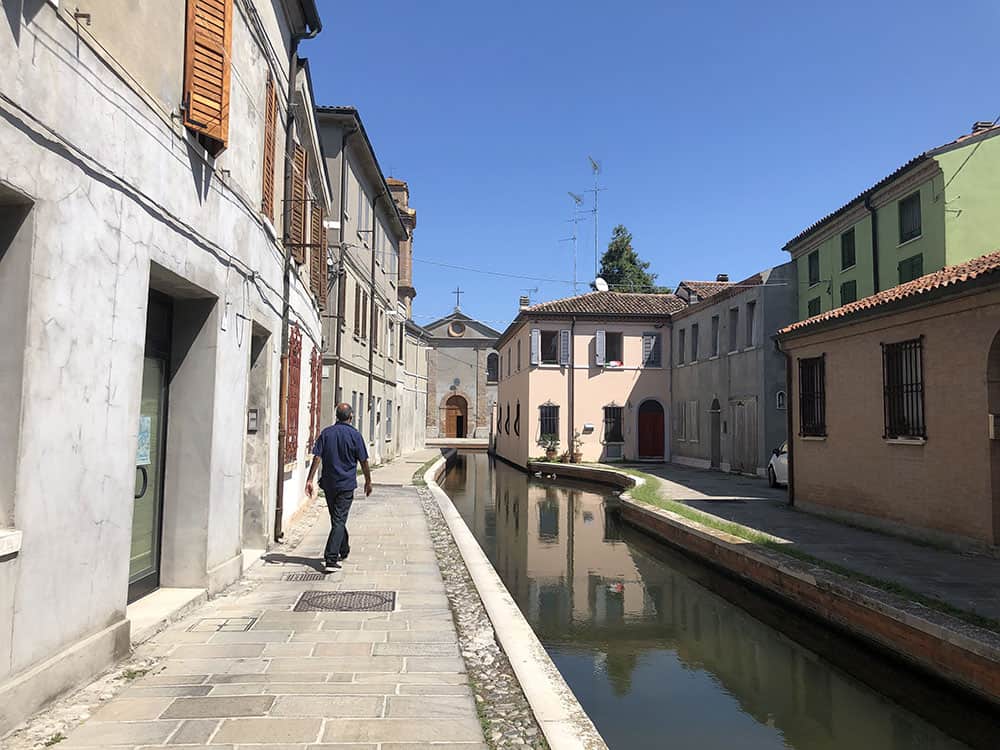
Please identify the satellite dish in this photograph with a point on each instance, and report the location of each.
(600, 284)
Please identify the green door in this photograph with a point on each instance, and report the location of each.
(144, 562)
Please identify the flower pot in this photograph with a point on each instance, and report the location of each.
(550, 453)
(577, 458)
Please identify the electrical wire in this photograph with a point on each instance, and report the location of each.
(490, 273)
(971, 154)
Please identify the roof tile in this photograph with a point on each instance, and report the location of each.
(612, 303)
(705, 289)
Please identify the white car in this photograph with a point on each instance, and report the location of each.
(777, 467)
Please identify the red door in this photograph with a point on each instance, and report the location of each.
(651, 430)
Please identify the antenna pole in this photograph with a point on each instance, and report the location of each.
(595, 167)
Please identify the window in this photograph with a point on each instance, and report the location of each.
(909, 217)
(296, 231)
(377, 314)
(814, 267)
(613, 425)
(613, 353)
(388, 420)
(681, 345)
(813, 307)
(691, 422)
(207, 48)
(848, 292)
(734, 329)
(812, 396)
(715, 336)
(847, 258)
(519, 355)
(371, 420)
(548, 415)
(294, 389)
(751, 311)
(517, 419)
(390, 339)
(357, 309)
(365, 323)
(550, 347)
(492, 367)
(651, 350)
(903, 377)
(359, 419)
(911, 268)
(780, 400)
(508, 361)
(694, 342)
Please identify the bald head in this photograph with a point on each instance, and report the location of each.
(344, 413)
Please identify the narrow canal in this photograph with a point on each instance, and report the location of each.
(665, 653)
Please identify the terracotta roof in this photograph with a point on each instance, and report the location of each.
(394, 181)
(730, 290)
(915, 161)
(611, 303)
(706, 289)
(950, 276)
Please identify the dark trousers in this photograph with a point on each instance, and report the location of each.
(339, 505)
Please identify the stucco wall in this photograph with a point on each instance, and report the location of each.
(943, 485)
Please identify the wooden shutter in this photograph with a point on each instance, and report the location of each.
(599, 348)
(317, 254)
(270, 125)
(536, 345)
(564, 347)
(647, 348)
(206, 69)
(357, 309)
(324, 281)
(294, 385)
(297, 225)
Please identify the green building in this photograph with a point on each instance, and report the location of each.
(940, 208)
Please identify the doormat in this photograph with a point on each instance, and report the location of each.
(223, 625)
(346, 601)
(303, 577)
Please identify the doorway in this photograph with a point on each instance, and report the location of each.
(651, 429)
(147, 511)
(456, 415)
(256, 451)
(744, 454)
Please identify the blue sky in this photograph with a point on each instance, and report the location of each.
(723, 128)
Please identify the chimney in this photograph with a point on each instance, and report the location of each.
(981, 126)
(524, 302)
(722, 277)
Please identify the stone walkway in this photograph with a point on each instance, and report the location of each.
(247, 672)
(969, 582)
(400, 472)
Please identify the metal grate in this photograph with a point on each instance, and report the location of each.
(346, 601)
(304, 577)
(223, 625)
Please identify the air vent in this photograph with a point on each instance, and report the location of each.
(303, 577)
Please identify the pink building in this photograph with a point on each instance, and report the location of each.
(597, 364)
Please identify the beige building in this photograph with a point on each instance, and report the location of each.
(362, 327)
(894, 405)
(597, 364)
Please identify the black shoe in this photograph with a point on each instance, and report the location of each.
(331, 567)
(344, 553)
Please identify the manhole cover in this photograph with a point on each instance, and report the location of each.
(346, 601)
(304, 577)
(223, 624)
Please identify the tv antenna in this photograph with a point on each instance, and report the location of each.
(578, 201)
(595, 168)
(529, 290)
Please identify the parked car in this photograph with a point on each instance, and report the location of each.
(777, 467)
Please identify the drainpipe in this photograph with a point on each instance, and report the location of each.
(341, 267)
(293, 66)
(571, 385)
(788, 420)
(874, 215)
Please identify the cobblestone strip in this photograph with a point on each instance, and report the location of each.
(504, 713)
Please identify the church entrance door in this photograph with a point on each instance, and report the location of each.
(456, 416)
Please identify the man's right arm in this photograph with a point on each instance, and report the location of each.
(368, 477)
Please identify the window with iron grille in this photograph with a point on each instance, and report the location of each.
(909, 217)
(812, 396)
(548, 415)
(613, 425)
(903, 379)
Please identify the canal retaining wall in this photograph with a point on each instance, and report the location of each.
(951, 649)
(562, 719)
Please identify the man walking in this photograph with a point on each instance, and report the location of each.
(340, 447)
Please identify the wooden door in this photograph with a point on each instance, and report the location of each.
(650, 430)
(744, 453)
(456, 411)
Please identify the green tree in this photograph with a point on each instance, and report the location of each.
(622, 267)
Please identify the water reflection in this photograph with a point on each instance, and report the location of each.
(655, 657)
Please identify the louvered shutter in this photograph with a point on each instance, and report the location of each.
(647, 348)
(317, 253)
(206, 68)
(536, 345)
(297, 224)
(564, 347)
(324, 281)
(599, 348)
(270, 125)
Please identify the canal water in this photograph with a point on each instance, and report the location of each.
(665, 653)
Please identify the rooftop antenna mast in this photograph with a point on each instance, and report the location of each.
(578, 201)
(595, 167)
(529, 290)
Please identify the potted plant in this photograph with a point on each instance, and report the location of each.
(564, 457)
(577, 454)
(551, 445)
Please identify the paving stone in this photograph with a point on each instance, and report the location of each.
(214, 666)
(172, 679)
(257, 731)
(289, 649)
(218, 650)
(355, 706)
(132, 709)
(343, 649)
(402, 730)
(229, 679)
(423, 678)
(340, 636)
(435, 664)
(432, 707)
(221, 707)
(423, 636)
(105, 734)
(253, 636)
(195, 732)
(427, 746)
(435, 690)
(166, 691)
(416, 649)
(338, 664)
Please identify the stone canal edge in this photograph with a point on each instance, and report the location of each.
(563, 721)
(958, 652)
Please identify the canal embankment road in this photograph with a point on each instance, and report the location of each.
(563, 721)
(965, 655)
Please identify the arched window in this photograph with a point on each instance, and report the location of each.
(517, 419)
(492, 367)
(506, 424)
(779, 400)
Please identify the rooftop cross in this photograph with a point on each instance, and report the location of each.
(458, 297)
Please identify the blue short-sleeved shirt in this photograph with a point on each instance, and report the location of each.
(340, 447)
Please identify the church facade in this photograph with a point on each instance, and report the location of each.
(462, 373)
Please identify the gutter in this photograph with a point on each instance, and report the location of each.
(788, 420)
(874, 214)
(571, 386)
